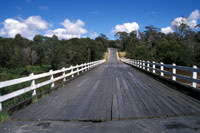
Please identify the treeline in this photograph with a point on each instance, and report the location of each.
(20, 56)
(181, 47)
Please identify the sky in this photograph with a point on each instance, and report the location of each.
(90, 18)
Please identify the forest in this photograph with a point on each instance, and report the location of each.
(20, 56)
(181, 47)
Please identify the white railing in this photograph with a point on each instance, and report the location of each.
(33, 86)
(160, 67)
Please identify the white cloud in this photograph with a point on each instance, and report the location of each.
(126, 27)
(191, 21)
(167, 30)
(74, 28)
(195, 15)
(36, 22)
(27, 28)
(178, 21)
(93, 35)
(70, 30)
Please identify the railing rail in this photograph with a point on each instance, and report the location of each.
(33, 86)
(160, 67)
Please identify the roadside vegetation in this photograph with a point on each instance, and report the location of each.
(181, 47)
(19, 57)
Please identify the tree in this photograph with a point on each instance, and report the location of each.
(150, 37)
(123, 39)
(103, 39)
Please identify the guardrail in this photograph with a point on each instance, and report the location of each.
(33, 86)
(160, 67)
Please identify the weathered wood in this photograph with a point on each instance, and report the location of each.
(52, 80)
(111, 91)
(174, 75)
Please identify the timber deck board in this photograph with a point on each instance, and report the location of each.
(112, 91)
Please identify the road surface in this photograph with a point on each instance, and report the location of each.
(114, 97)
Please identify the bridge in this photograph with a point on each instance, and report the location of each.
(113, 97)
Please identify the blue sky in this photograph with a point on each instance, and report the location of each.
(89, 17)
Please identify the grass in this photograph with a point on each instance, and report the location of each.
(122, 55)
(105, 56)
(4, 116)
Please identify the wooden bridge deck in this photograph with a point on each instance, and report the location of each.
(112, 91)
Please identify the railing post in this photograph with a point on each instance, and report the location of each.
(72, 71)
(77, 69)
(194, 76)
(33, 84)
(137, 63)
(162, 69)
(174, 72)
(140, 63)
(147, 65)
(154, 67)
(64, 79)
(52, 78)
(85, 66)
(143, 64)
(82, 67)
(89, 66)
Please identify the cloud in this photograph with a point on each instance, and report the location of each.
(191, 21)
(126, 27)
(195, 15)
(70, 30)
(45, 8)
(167, 30)
(36, 22)
(93, 35)
(27, 28)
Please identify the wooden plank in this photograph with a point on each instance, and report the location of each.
(122, 111)
(110, 92)
(171, 96)
(154, 91)
(138, 100)
(131, 109)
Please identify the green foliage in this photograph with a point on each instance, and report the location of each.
(38, 69)
(143, 53)
(181, 47)
(20, 57)
(4, 116)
